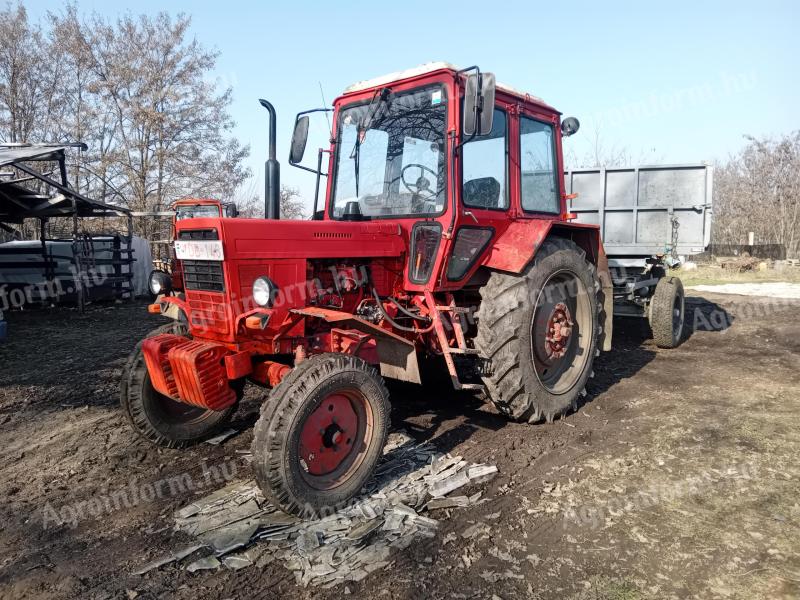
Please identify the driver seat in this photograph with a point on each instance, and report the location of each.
(483, 192)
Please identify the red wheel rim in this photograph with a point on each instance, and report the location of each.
(558, 329)
(561, 332)
(334, 438)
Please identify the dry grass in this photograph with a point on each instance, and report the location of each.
(711, 274)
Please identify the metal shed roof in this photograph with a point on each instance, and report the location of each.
(52, 197)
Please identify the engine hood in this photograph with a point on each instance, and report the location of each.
(264, 238)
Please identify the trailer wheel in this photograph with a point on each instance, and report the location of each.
(540, 331)
(320, 434)
(158, 418)
(667, 312)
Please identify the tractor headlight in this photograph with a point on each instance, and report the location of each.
(264, 291)
(160, 282)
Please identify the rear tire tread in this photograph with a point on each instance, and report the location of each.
(502, 309)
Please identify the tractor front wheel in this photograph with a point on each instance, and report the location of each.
(158, 418)
(320, 434)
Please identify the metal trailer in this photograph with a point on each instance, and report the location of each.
(650, 218)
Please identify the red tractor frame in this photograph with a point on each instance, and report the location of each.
(444, 242)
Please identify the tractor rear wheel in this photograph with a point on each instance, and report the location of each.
(158, 418)
(540, 331)
(320, 434)
(667, 312)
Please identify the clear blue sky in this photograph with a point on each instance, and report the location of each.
(679, 82)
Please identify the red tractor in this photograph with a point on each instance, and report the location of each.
(171, 274)
(444, 240)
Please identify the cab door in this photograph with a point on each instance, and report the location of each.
(539, 180)
(485, 196)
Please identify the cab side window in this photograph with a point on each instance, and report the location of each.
(539, 185)
(484, 173)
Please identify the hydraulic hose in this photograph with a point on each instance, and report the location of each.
(408, 313)
(392, 321)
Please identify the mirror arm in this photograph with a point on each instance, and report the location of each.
(467, 69)
(319, 176)
(297, 118)
(309, 169)
(478, 97)
(477, 70)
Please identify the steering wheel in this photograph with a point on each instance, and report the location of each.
(422, 187)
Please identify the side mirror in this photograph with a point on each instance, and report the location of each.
(231, 211)
(479, 104)
(569, 126)
(299, 139)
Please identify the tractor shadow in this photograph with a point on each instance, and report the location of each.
(704, 315)
(632, 347)
(627, 357)
(435, 413)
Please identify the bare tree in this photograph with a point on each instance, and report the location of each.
(598, 152)
(137, 91)
(291, 205)
(252, 205)
(758, 190)
(171, 124)
(25, 77)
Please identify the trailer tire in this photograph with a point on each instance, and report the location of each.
(157, 418)
(526, 378)
(324, 396)
(667, 313)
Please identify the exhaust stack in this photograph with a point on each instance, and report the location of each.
(272, 170)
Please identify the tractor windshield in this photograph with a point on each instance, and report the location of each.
(390, 155)
(196, 211)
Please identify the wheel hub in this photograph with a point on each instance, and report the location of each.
(331, 435)
(328, 435)
(559, 328)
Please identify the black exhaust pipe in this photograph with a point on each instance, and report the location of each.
(272, 171)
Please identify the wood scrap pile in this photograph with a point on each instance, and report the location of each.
(741, 264)
(235, 527)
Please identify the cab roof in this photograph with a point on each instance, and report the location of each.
(432, 67)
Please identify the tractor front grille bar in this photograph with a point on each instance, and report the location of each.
(202, 275)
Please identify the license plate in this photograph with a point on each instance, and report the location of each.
(198, 250)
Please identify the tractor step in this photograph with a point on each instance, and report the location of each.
(468, 386)
(456, 325)
(471, 351)
(460, 310)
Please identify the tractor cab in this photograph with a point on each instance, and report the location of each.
(452, 157)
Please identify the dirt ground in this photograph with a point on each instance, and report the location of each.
(678, 476)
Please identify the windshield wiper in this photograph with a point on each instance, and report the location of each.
(382, 96)
(364, 124)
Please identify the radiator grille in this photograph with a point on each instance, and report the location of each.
(208, 311)
(203, 275)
